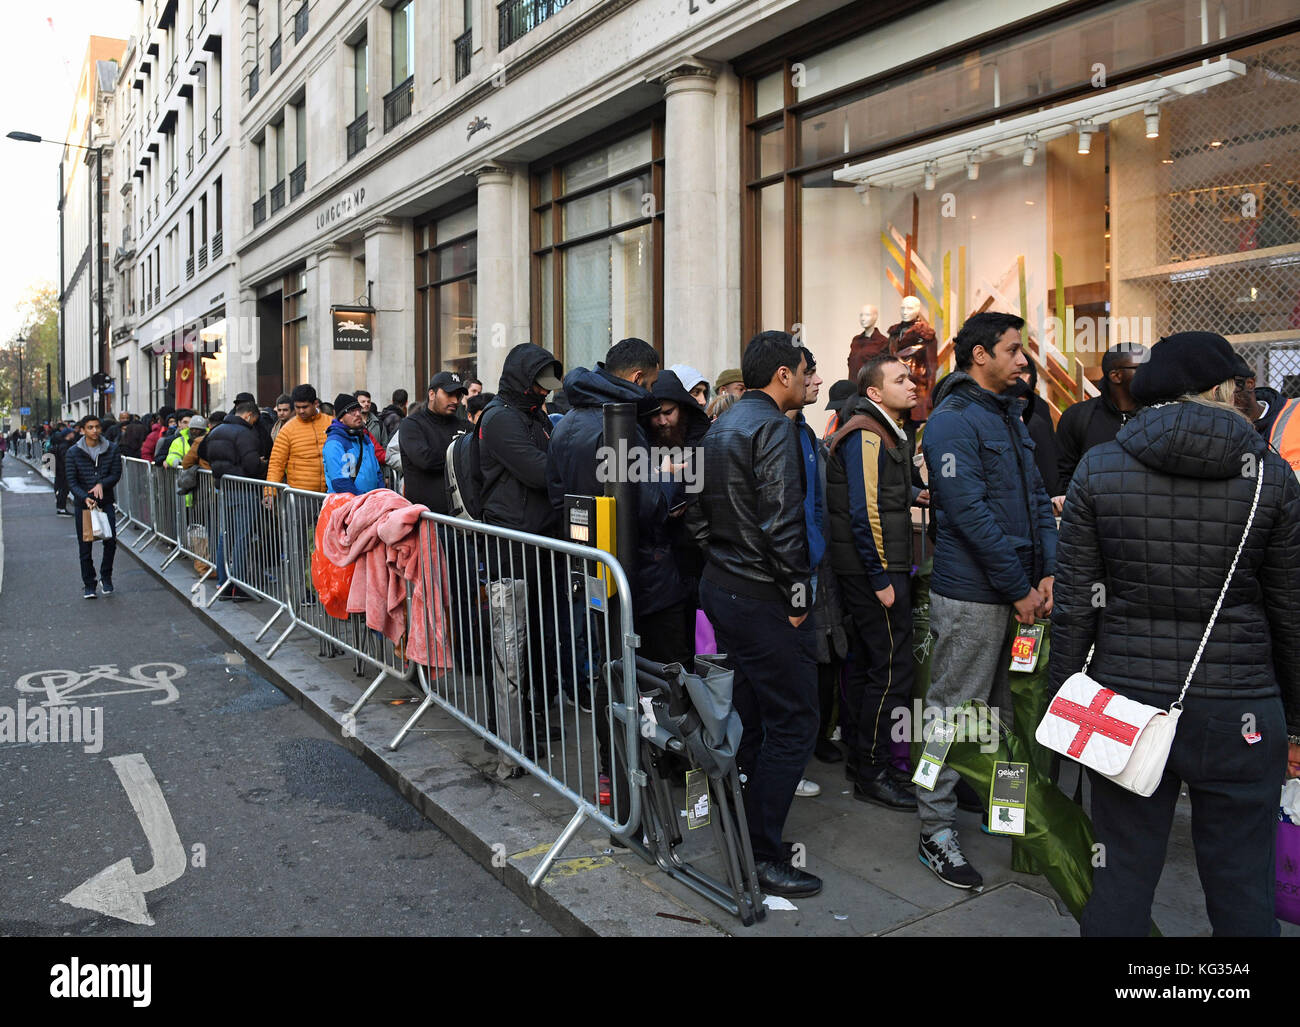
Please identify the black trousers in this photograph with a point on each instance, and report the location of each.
(86, 549)
(61, 484)
(881, 673)
(1233, 786)
(775, 693)
(668, 636)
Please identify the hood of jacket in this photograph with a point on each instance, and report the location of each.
(865, 406)
(593, 388)
(338, 430)
(1191, 440)
(522, 366)
(93, 452)
(670, 387)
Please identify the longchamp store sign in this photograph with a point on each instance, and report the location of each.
(353, 327)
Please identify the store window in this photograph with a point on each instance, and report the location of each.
(446, 302)
(597, 248)
(1001, 179)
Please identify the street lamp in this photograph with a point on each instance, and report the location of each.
(97, 360)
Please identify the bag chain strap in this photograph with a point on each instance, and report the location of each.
(1254, 506)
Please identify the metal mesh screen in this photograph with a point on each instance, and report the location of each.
(1227, 221)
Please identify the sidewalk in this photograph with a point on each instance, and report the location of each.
(874, 884)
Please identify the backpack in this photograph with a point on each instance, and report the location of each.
(464, 490)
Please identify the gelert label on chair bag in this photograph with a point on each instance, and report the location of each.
(1025, 648)
(1008, 798)
(697, 799)
(940, 736)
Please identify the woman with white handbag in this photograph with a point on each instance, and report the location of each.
(1176, 641)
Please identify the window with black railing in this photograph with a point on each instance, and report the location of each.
(189, 266)
(517, 18)
(259, 211)
(397, 104)
(297, 180)
(254, 81)
(203, 142)
(189, 161)
(203, 256)
(171, 76)
(357, 135)
(203, 15)
(464, 48)
(277, 196)
(216, 124)
(300, 23)
(171, 184)
(275, 53)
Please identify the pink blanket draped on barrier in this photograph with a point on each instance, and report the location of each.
(383, 535)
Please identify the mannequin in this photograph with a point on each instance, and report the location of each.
(869, 342)
(914, 341)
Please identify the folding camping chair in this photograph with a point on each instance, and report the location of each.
(689, 715)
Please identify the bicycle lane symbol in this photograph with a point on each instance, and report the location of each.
(63, 687)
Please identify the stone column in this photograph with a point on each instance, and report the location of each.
(495, 315)
(333, 285)
(693, 259)
(390, 268)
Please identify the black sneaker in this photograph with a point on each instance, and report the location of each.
(783, 879)
(106, 587)
(827, 751)
(88, 592)
(883, 790)
(941, 854)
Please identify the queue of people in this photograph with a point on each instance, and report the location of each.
(799, 550)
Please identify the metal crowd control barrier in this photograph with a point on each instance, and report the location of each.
(162, 505)
(197, 520)
(297, 511)
(134, 496)
(250, 552)
(516, 626)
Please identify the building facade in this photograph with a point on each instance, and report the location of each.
(82, 285)
(418, 185)
(176, 271)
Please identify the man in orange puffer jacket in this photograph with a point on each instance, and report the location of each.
(296, 455)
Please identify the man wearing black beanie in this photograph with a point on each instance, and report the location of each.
(1097, 420)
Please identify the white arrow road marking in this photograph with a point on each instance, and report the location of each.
(118, 890)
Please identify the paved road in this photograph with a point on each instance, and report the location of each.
(297, 836)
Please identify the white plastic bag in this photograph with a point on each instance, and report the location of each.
(100, 524)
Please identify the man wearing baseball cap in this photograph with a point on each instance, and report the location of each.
(423, 439)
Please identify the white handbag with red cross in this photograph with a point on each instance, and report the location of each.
(1123, 740)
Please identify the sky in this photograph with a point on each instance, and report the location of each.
(46, 44)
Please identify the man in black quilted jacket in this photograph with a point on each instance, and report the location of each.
(757, 592)
(94, 469)
(1152, 524)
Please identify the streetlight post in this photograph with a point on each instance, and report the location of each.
(98, 360)
(21, 344)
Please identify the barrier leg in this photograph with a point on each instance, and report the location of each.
(283, 635)
(356, 708)
(579, 818)
(406, 728)
(267, 626)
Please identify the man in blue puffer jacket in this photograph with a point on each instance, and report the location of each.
(350, 461)
(995, 552)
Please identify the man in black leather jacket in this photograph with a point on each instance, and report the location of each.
(757, 592)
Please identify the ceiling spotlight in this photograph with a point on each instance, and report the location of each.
(1031, 145)
(973, 160)
(931, 173)
(1151, 112)
(1086, 130)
